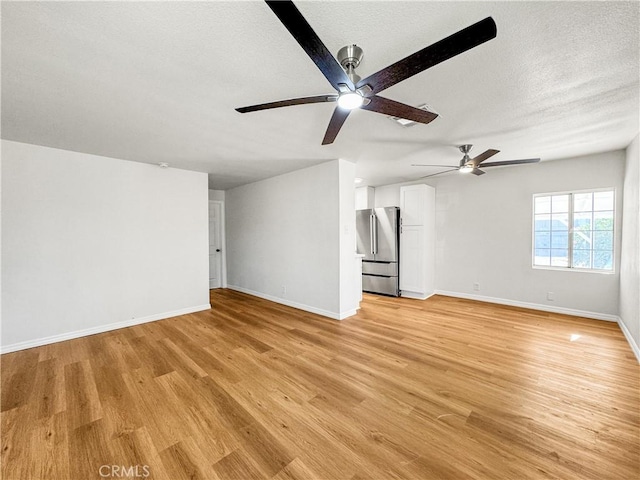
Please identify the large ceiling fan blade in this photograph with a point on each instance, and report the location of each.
(288, 103)
(483, 156)
(439, 173)
(510, 162)
(429, 165)
(300, 29)
(397, 109)
(335, 124)
(445, 49)
(477, 171)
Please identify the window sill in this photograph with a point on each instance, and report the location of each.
(575, 270)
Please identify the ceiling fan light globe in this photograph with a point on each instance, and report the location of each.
(466, 169)
(350, 100)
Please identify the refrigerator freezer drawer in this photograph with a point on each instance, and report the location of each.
(389, 269)
(384, 285)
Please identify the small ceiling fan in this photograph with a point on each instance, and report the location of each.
(470, 165)
(353, 92)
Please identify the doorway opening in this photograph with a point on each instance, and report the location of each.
(217, 263)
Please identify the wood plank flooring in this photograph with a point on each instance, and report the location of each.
(437, 389)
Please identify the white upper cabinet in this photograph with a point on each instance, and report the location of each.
(413, 200)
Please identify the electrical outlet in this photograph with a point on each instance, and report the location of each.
(476, 287)
(550, 296)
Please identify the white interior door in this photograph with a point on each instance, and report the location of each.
(215, 245)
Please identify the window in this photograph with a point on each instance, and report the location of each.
(574, 230)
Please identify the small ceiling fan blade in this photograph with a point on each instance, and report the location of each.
(397, 109)
(335, 124)
(439, 173)
(288, 103)
(428, 165)
(300, 29)
(483, 156)
(477, 171)
(510, 162)
(445, 49)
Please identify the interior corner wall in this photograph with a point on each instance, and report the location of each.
(484, 235)
(91, 243)
(630, 251)
(283, 239)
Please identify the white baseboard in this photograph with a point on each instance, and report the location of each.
(417, 296)
(299, 306)
(632, 342)
(348, 313)
(38, 342)
(533, 306)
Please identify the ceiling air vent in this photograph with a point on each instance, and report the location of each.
(408, 123)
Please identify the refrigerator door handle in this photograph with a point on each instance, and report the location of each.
(374, 235)
(371, 237)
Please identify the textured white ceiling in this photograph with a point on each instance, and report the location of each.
(158, 82)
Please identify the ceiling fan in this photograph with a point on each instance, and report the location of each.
(470, 165)
(353, 92)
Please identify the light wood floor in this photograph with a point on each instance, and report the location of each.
(407, 389)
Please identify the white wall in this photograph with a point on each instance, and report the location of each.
(216, 195)
(483, 228)
(484, 234)
(630, 267)
(284, 239)
(389, 195)
(349, 291)
(92, 243)
(364, 198)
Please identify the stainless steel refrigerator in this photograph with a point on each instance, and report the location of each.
(378, 239)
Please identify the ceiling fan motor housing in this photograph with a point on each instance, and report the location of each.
(350, 57)
(465, 149)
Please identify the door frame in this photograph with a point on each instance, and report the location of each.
(223, 243)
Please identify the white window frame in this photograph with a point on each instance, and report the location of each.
(570, 267)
